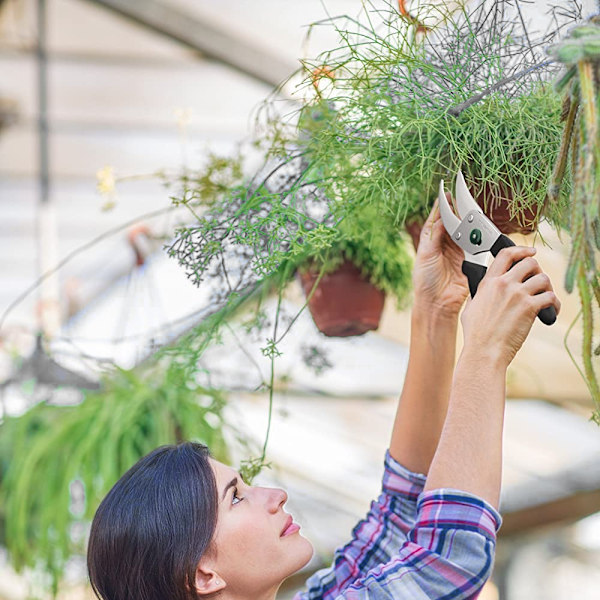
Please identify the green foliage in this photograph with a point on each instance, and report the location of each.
(580, 147)
(406, 111)
(399, 158)
(263, 232)
(64, 459)
(364, 154)
(243, 237)
(219, 176)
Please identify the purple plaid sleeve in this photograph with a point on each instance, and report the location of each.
(377, 538)
(439, 544)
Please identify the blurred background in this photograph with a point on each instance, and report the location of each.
(98, 100)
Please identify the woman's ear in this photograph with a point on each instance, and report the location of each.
(208, 581)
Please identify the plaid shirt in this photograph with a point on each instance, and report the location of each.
(412, 545)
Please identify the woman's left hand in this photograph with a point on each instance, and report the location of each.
(438, 281)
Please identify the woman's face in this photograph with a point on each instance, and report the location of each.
(256, 543)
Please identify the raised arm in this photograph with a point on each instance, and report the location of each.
(440, 290)
(449, 550)
(495, 324)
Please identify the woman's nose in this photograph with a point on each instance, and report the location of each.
(275, 499)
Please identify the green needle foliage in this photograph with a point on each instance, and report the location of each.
(402, 110)
(267, 230)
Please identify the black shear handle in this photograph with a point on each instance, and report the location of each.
(475, 273)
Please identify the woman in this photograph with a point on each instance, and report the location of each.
(180, 525)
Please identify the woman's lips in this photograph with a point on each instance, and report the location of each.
(290, 527)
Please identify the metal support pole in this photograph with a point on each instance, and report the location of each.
(48, 307)
(42, 71)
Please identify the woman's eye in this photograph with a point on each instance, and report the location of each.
(235, 498)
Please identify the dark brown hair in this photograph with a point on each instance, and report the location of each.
(153, 527)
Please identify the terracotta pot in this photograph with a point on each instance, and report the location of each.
(414, 229)
(344, 303)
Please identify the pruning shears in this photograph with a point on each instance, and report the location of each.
(477, 236)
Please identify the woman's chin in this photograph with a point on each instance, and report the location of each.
(305, 552)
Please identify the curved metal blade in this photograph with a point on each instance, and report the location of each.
(449, 219)
(465, 203)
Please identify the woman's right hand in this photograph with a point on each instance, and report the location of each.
(498, 319)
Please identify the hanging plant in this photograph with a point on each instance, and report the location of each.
(394, 108)
(247, 242)
(283, 224)
(408, 108)
(346, 282)
(58, 462)
(580, 148)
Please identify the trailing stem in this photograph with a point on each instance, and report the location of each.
(580, 52)
(563, 153)
(589, 133)
(588, 328)
(250, 468)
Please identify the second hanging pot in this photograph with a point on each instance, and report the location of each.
(345, 303)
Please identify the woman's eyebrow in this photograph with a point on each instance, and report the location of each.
(231, 484)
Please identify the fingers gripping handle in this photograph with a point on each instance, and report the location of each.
(546, 315)
(502, 242)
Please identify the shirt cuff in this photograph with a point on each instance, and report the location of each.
(398, 480)
(454, 509)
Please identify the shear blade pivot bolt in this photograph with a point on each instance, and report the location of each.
(475, 237)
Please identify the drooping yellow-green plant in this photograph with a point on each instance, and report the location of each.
(57, 462)
(580, 85)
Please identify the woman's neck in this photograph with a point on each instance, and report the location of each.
(230, 594)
